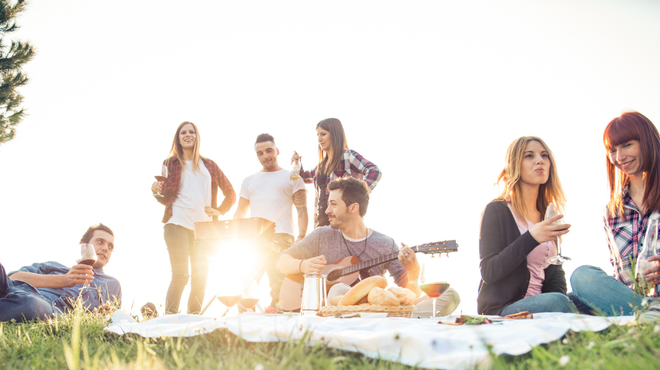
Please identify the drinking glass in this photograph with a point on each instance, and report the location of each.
(230, 296)
(551, 211)
(648, 249)
(163, 172)
(249, 296)
(87, 256)
(432, 280)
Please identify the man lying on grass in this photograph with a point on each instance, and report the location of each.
(45, 289)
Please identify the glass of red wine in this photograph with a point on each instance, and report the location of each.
(229, 297)
(249, 297)
(161, 178)
(432, 279)
(87, 256)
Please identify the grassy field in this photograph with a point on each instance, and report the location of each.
(77, 341)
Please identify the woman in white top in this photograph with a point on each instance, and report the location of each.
(189, 194)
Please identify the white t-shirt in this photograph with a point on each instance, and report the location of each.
(271, 197)
(194, 196)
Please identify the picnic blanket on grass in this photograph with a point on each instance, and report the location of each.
(414, 342)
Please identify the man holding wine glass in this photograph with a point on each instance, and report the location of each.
(42, 290)
(271, 194)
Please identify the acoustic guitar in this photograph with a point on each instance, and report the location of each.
(347, 271)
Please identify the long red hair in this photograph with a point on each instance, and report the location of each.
(633, 126)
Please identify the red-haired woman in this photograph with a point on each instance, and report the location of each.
(516, 242)
(189, 195)
(335, 161)
(632, 143)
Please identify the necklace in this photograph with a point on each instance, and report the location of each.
(366, 235)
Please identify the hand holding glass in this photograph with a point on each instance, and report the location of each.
(162, 178)
(551, 211)
(649, 249)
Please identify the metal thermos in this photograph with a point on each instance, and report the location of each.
(314, 294)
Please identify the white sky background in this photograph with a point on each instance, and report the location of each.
(432, 92)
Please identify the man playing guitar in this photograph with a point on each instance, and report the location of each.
(347, 236)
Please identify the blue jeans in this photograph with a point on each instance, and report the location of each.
(544, 302)
(21, 301)
(603, 293)
(181, 248)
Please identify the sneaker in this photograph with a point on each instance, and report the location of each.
(652, 310)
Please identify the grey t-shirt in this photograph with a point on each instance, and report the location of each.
(334, 246)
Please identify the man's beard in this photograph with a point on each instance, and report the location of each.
(338, 222)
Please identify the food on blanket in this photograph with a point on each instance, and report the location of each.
(469, 320)
(434, 290)
(362, 289)
(382, 297)
(519, 315)
(364, 300)
(335, 300)
(404, 295)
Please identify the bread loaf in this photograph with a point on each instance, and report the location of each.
(334, 301)
(362, 289)
(382, 297)
(405, 296)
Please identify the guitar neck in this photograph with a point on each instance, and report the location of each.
(391, 256)
(369, 263)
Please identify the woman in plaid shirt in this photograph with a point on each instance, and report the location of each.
(189, 194)
(335, 161)
(633, 149)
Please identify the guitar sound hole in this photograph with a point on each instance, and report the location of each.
(334, 275)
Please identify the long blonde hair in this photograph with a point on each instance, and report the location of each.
(177, 149)
(510, 177)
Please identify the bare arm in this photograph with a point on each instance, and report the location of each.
(242, 208)
(78, 274)
(300, 201)
(288, 265)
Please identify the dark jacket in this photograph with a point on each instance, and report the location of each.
(503, 262)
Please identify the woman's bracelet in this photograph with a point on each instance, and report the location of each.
(300, 265)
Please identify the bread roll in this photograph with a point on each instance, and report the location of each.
(364, 299)
(335, 300)
(405, 296)
(362, 289)
(382, 297)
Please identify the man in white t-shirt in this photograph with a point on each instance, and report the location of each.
(271, 194)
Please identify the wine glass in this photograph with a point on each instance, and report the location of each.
(230, 296)
(161, 178)
(87, 256)
(432, 279)
(551, 211)
(249, 297)
(648, 249)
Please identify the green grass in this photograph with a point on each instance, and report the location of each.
(77, 341)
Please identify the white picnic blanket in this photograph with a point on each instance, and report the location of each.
(420, 342)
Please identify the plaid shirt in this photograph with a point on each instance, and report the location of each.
(624, 238)
(352, 165)
(171, 187)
